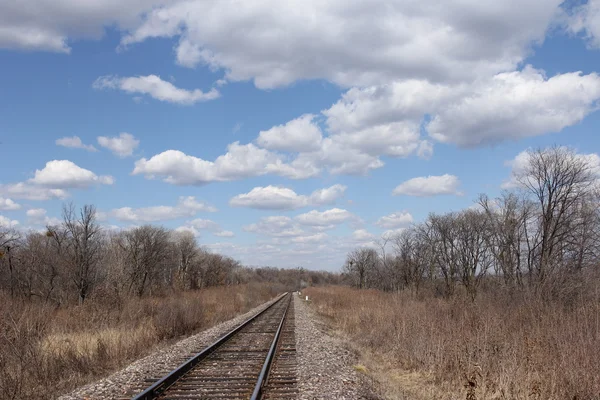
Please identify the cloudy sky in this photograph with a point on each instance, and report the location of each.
(284, 132)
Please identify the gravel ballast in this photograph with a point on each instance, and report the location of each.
(324, 364)
(130, 380)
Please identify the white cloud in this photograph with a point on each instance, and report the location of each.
(429, 186)
(187, 206)
(156, 88)
(51, 25)
(362, 235)
(449, 41)
(515, 105)
(66, 174)
(197, 225)
(75, 143)
(585, 20)
(37, 216)
(23, 190)
(298, 135)
(387, 119)
(7, 204)
(7, 222)
(36, 213)
(395, 220)
(327, 195)
(311, 239)
(334, 216)
(281, 198)
(277, 226)
(240, 161)
(122, 145)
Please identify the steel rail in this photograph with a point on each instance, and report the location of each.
(264, 372)
(165, 382)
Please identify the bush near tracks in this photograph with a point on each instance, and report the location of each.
(501, 346)
(45, 350)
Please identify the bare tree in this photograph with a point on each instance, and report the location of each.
(474, 257)
(84, 247)
(145, 248)
(507, 216)
(186, 251)
(559, 180)
(412, 257)
(360, 263)
(9, 237)
(440, 231)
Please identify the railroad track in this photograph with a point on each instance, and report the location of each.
(256, 360)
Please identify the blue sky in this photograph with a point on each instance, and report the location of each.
(284, 133)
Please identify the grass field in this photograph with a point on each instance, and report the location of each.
(498, 347)
(44, 351)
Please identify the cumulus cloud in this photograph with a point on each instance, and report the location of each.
(187, 206)
(7, 204)
(395, 220)
(50, 25)
(197, 225)
(122, 145)
(362, 235)
(277, 226)
(298, 135)
(585, 20)
(281, 198)
(64, 174)
(37, 216)
(156, 88)
(240, 161)
(23, 190)
(429, 186)
(326, 40)
(515, 105)
(6, 222)
(334, 216)
(505, 106)
(74, 142)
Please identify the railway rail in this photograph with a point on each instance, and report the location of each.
(256, 360)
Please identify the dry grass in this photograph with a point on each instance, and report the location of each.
(44, 351)
(500, 347)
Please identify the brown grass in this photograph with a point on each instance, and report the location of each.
(44, 351)
(499, 347)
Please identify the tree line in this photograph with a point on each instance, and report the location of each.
(77, 258)
(539, 234)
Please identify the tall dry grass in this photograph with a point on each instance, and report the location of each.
(46, 351)
(502, 346)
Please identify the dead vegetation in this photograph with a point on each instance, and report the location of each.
(45, 351)
(502, 346)
(497, 301)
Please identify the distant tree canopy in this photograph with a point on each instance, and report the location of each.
(77, 259)
(543, 231)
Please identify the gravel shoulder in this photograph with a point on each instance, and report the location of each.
(325, 363)
(130, 380)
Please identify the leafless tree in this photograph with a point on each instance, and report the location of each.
(474, 256)
(145, 249)
(186, 251)
(560, 181)
(84, 238)
(507, 216)
(360, 263)
(9, 237)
